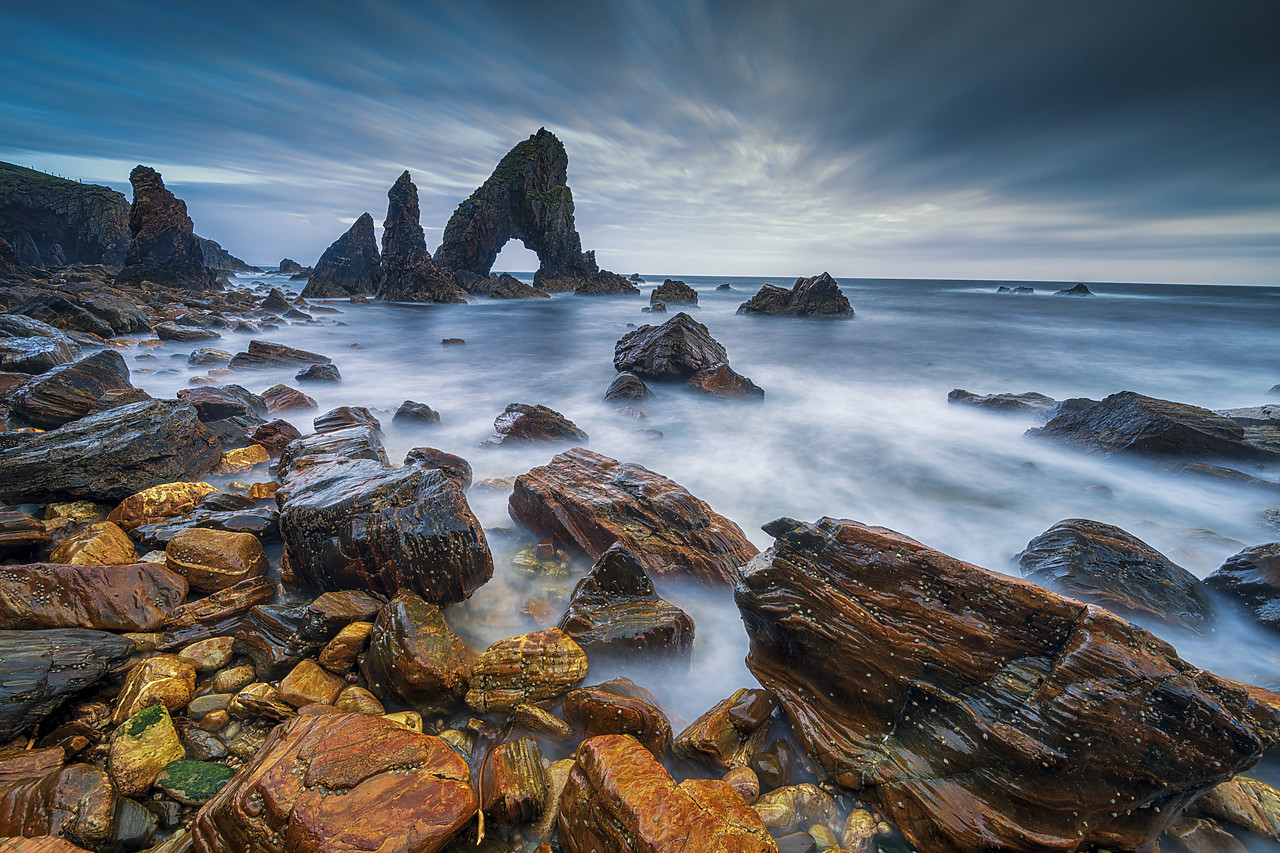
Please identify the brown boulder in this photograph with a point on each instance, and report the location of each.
(21, 532)
(594, 711)
(156, 503)
(619, 800)
(135, 597)
(39, 796)
(216, 615)
(528, 668)
(101, 544)
(336, 782)
(730, 733)
(164, 248)
(677, 349)
(211, 560)
(69, 392)
(414, 657)
(513, 783)
(274, 435)
(978, 711)
(262, 355)
(525, 424)
(282, 398)
(721, 381)
(591, 501)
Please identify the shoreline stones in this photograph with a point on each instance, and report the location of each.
(522, 423)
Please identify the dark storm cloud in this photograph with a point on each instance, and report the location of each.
(872, 137)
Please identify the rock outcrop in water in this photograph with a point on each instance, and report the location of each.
(220, 260)
(350, 266)
(164, 247)
(682, 349)
(1252, 579)
(1031, 401)
(408, 272)
(980, 712)
(50, 221)
(527, 197)
(818, 296)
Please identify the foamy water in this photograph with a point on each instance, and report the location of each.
(854, 423)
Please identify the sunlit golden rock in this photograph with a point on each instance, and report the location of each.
(101, 544)
(529, 668)
(167, 500)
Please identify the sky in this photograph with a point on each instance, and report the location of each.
(1089, 140)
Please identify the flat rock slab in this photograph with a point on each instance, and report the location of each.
(591, 501)
(978, 711)
(136, 597)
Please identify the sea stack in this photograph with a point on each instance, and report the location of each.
(408, 272)
(350, 266)
(527, 197)
(164, 249)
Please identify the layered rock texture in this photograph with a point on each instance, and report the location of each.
(164, 247)
(50, 221)
(350, 266)
(980, 712)
(527, 197)
(408, 272)
(818, 296)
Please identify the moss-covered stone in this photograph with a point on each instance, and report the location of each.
(193, 782)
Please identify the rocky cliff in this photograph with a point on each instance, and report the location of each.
(52, 221)
(218, 258)
(164, 248)
(526, 197)
(351, 265)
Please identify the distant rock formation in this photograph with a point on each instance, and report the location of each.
(51, 221)
(818, 296)
(1079, 290)
(350, 266)
(527, 197)
(218, 258)
(408, 272)
(164, 248)
(288, 266)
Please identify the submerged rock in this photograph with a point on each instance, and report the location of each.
(344, 417)
(590, 501)
(522, 423)
(676, 350)
(319, 373)
(1077, 290)
(164, 248)
(722, 381)
(70, 391)
(408, 272)
(1028, 402)
(978, 711)
(818, 296)
(673, 292)
(411, 414)
(1252, 579)
(350, 266)
(627, 387)
(498, 286)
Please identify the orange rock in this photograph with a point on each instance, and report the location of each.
(167, 500)
(164, 680)
(136, 597)
(41, 797)
(415, 657)
(309, 683)
(101, 544)
(42, 844)
(619, 799)
(529, 668)
(242, 459)
(213, 560)
(597, 712)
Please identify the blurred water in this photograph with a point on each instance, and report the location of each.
(855, 421)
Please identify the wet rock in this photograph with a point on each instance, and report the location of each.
(344, 417)
(230, 410)
(676, 350)
(529, 668)
(525, 424)
(275, 638)
(208, 355)
(20, 532)
(275, 435)
(208, 655)
(1077, 290)
(264, 355)
(211, 560)
(163, 680)
(795, 807)
(185, 334)
(359, 701)
(349, 443)
(414, 657)
(340, 654)
(164, 248)
(593, 711)
(526, 197)
(159, 502)
(1252, 578)
(674, 292)
(243, 459)
(350, 266)
(309, 684)
(41, 844)
(615, 614)
(408, 272)
(101, 544)
(135, 597)
(70, 391)
(1245, 802)
(359, 525)
(40, 796)
(986, 697)
(1021, 289)
(319, 373)
(627, 387)
(333, 611)
(618, 799)
(454, 467)
(215, 615)
(1132, 424)
(1104, 565)
(282, 398)
(721, 381)
(744, 781)
(33, 355)
(288, 266)
(507, 286)
(140, 749)
(1198, 835)
(110, 455)
(56, 310)
(730, 733)
(598, 282)
(259, 700)
(818, 296)
(411, 414)
(400, 790)
(513, 783)
(39, 670)
(590, 501)
(193, 783)
(1028, 402)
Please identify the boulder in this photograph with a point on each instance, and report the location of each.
(351, 265)
(1104, 565)
(69, 392)
(731, 732)
(356, 524)
(513, 782)
(615, 614)
(341, 782)
(454, 467)
(522, 423)
(141, 747)
(1028, 402)
(408, 272)
(353, 442)
(1252, 579)
(673, 291)
(263, 355)
(103, 543)
(275, 435)
(110, 455)
(185, 334)
(721, 381)
(135, 597)
(319, 373)
(276, 637)
(41, 796)
(344, 417)
(1132, 424)
(411, 414)
(1245, 802)
(193, 783)
(414, 657)
(229, 410)
(596, 711)
(282, 398)
(978, 711)
(30, 346)
(818, 296)
(39, 670)
(590, 502)
(164, 248)
(1077, 290)
(619, 799)
(530, 668)
(163, 680)
(527, 197)
(158, 503)
(627, 388)
(20, 532)
(208, 355)
(288, 266)
(676, 350)
(212, 560)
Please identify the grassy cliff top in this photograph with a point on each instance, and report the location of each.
(19, 181)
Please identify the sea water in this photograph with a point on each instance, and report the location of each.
(855, 423)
